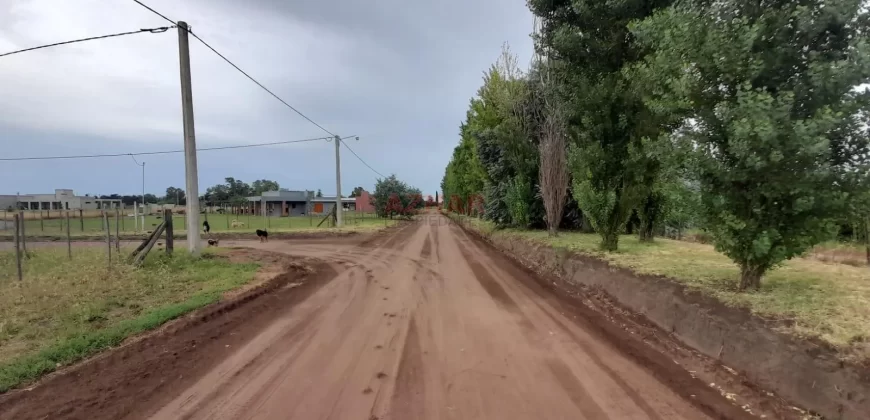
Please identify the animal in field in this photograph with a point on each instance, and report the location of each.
(237, 224)
(205, 227)
(263, 235)
(213, 242)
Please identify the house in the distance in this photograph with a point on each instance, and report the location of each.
(285, 203)
(62, 199)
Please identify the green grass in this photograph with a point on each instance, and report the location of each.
(66, 310)
(825, 299)
(93, 226)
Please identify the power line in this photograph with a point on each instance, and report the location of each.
(260, 84)
(165, 152)
(140, 31)
(240, 70)
(361, 160)
(156, 12)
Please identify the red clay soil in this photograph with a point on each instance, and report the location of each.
(419, 322)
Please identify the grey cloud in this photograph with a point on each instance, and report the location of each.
(399, 74)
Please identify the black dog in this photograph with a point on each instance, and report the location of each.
(206, 227)
(263, 235)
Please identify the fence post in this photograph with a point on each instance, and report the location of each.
(17, 247)
(118, 232)
(23, 234)
(68, 239)
(105, 219)
(82, 220)
(41, 222)
(170, 240)
(108, 240)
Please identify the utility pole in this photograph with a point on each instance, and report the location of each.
(338, 205)
(191, 178)
(143, 197)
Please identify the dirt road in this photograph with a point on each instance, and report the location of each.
(423, 322)
(427, 326)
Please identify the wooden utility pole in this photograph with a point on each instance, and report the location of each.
(170, 241)
(118, 230)
(68, 239)
(191, 177)
(18, 247)
(108, 240)
(23, 233)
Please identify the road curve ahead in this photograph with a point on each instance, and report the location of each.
(426, 323)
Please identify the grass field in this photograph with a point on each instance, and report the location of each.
(217, 222)
(67, 310)
(827, 299)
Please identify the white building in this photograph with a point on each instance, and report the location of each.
(62, 199)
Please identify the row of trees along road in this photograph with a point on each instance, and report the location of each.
(747, 119)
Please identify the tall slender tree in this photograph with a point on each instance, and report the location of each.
(590, 47)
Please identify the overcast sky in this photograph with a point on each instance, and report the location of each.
(397, 73)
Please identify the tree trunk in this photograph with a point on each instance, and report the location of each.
(649, 212)
(609, 241)
(645, 231)
(750, 277)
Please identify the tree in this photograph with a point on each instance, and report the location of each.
(319, 193)
(238, 188)
(590, 47)
(393, 197)
(150, 198)
(260, 186)
(357, 191)
(175, 195)
(553, 150)
(768, 93)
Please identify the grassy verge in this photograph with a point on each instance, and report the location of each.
(826, 300)
(67, 310)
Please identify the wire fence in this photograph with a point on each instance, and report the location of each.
(93, 224)
(116, 232)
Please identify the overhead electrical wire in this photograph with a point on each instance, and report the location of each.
(164, 29)
(361, 160)
(240, 70)
(260, 85)
(156, 12)
(164, 152)
(140, 31)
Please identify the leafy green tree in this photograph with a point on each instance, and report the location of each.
(393, 197)
(319, 193)
(357, 191)
(592, 49)
(768, 93)
(175, 195)
(260, 186)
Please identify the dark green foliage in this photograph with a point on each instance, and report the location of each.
(262, 185)
(771, 93)
(494, 168)
(591, 48)
(357, 191)
(393, 197)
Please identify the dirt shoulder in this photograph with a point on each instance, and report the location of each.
(749, 359)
